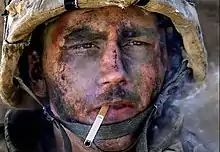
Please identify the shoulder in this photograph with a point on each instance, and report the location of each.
(192, 143)
(3, 147)
(165, 128)
(187, 142)
(168, 134)
(27, 130)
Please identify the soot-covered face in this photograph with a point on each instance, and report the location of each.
(104, 56)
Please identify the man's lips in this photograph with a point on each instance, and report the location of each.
(117, 107)
(118, 111)
(116, 104)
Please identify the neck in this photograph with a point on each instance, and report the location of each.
(117, 141)
(75, 141)
(78, 146)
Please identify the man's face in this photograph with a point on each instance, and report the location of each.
(104, 56)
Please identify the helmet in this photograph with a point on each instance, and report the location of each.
(25, 15)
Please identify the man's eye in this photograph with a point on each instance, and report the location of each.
(89, 49)
(85, 46)
(137, 43)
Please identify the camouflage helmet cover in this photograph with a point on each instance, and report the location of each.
(25, 15)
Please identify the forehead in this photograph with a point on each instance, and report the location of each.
(103, 19)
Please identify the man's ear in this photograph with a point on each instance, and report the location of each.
(35, 72)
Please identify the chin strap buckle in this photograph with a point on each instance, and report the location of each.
(48, 116)
(155, 110)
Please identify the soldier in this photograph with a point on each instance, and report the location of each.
(63, 61)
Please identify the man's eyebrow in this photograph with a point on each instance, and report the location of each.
(86, 34)
(131, 32)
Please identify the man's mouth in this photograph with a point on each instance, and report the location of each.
(117, 107)
(118, 112)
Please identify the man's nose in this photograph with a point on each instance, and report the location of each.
(112, 71)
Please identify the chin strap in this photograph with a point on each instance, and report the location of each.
(106, 132)
(138, 124)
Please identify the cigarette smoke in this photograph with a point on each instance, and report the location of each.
(201, 109)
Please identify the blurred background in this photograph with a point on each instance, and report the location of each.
(201, 108)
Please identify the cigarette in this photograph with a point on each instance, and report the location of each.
(96, 125)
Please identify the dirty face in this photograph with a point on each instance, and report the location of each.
(107, 56)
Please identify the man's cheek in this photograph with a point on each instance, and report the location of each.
(144, 79)
(137, 80)
(69, 101)
(77, 105)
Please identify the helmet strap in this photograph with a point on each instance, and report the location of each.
(117, 130)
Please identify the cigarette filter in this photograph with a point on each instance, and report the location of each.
(96, 125)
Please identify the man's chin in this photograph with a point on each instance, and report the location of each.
(124, 144)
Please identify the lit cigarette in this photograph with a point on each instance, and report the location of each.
(96, 125)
